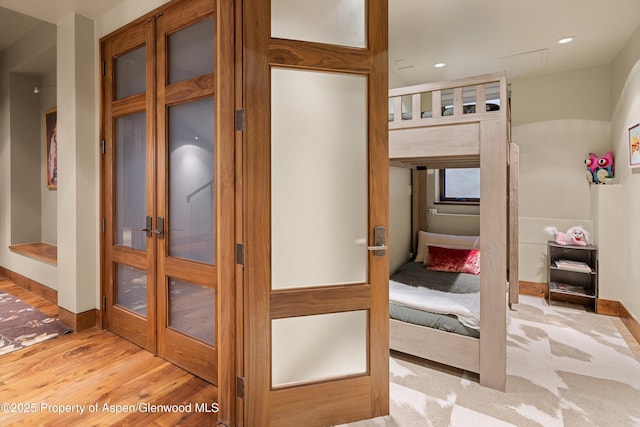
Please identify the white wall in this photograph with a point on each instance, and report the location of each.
(620, 280)
(399, 217)
(611, 239)
(557, 120)
(78, 238)
(25, 160)
(48, 197)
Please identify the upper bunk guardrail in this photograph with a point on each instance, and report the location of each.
(448, 101)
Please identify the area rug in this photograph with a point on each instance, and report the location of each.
(21, 325)
(565, 367)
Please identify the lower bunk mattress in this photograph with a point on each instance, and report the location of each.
(436, 299)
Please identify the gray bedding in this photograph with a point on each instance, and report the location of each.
(444, 322)
(415, 274)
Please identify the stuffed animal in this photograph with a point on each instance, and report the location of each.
(600, 170)
(575, 235)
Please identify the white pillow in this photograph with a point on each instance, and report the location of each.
(451, 241)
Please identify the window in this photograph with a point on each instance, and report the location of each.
(461, 186)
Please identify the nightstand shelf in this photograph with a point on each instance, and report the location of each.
(573, 271)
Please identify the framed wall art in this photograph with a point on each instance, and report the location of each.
(634, 146)
(51, 135)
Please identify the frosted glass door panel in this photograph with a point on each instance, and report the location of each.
(319, 178)
(191, 185)
(314, 348)
(339, 22)
(131, 182)
(130, 73)
(131, 289)
(192, 309)
(192, 51)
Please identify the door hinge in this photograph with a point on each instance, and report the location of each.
(104, 303)
(104, 225)
(240, 120)
(239, 254)
(104, 68)
(103, 146)
(240, 387)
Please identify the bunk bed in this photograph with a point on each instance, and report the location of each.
(437, 125)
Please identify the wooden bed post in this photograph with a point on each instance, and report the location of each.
(514, 284)
(493, 246)
(418, 205)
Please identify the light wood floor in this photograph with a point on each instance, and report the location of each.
(97, 371)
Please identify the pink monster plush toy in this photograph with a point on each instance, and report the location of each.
(600, 170)
(574, 236)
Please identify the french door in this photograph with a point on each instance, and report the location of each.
(168, 195)
(316, 211)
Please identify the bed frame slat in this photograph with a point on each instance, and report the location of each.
(447, 348)
(436, 103)
(397, 109)
(458, 100)
(481, 98)
(416, 106)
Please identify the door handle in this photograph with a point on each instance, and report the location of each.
(147, 226)
(159, 230)
(379, 247)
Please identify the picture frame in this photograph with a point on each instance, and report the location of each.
(51, 155)
(634, 146)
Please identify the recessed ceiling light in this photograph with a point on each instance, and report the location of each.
(566, 40)
(439, 65)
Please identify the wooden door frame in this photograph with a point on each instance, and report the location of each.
(261, 52)
(233, 399)
(226, 130)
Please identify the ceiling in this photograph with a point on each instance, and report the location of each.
(54, 11)
(517, 36)
(14, 25)
(470, 36)
(18, 17)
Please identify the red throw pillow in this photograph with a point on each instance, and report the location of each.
(454, 260)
